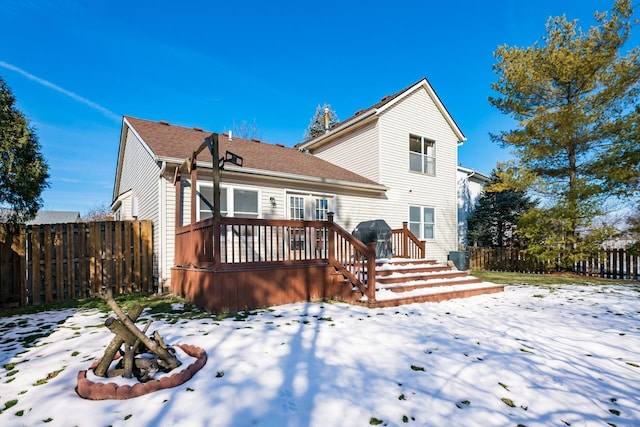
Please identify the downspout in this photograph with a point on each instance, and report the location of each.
(162, 220)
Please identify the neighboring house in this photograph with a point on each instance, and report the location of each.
(396, 160)
(48, 217)
(470, 185)
(55, 217)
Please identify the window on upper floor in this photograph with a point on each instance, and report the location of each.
(422, 155)
(422, 221)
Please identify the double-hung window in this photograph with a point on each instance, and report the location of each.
(422, 221)
(422, 155)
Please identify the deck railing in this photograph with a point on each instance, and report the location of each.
(405, 244)
(246, 242)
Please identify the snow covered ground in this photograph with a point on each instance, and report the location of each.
(531, 356)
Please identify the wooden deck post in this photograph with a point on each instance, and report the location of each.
(371, 272)
(331, 256)
(405, 240)
(213, 143)
(178, 184)
(194, 182)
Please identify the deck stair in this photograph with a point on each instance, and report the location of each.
(406, 281)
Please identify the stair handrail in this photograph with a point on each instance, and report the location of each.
(408, 238)
(363, 263)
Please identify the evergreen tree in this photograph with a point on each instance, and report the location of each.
(317, 122)
(494, 219)
(575, 98)
(23, 170)
(633, 222)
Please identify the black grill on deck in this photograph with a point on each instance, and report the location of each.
(377, 231)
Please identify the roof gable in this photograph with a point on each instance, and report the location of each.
(384, 104)
(176, 143)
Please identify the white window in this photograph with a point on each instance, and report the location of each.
(422, 155)
(234, 202)
(244, 203)
(296, 207)
(422, 221)
(322, 209)
(309, 206)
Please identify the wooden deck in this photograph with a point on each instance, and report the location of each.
(232, 264)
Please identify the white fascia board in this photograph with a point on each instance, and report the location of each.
(283, 176)
(436, 99)
(321, 139)
(144, 144)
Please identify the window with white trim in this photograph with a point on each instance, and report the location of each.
(422, 155)
(422, 221)
(234, 202)
(309, 206)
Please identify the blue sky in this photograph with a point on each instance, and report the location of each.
(76, 67)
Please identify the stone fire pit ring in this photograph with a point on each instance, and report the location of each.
(88, 389)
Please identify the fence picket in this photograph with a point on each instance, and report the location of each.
(615, 264)
(46, 263)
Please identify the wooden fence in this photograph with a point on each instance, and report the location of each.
(615, 264)
(47, 263)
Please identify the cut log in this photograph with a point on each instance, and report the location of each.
(120, 331)
(115, 344)
(130, 353)
(165, 358)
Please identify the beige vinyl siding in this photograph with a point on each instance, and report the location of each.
(417, 114)
(359, 154)
(167, 206)
(349, 207)
(140, 174)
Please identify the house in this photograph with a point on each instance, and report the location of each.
(55, 217)
(396, 160)
(47, 217)
(407, 142)
(274, 182)
(470, 185)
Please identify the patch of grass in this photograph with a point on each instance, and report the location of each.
(504, 386)
(417, 368)
(508, 402)
(20, 413)
(402, 397)
(405, 419)
(50, 376)
(127, 417)
(635, 365)
(508, 278)
(615, 412)
(374, 421)
(10, 404)
(219, 374)
(47, 420)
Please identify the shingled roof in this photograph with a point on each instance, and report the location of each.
(170, 142)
